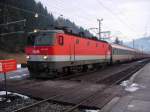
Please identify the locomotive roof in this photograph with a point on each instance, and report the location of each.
(47, 31)
(61, 31)
(122, 47)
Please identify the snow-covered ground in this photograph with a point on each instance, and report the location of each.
(18, 74)
(18, 66)
(2, 93)
(130, 85)
(92, 110)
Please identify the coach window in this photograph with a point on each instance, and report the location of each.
(113, 51)
(61, 40)
(77, 41)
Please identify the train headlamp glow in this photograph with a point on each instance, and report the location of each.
(45, 57)
(28, 57)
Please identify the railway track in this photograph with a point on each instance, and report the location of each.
(29, 108)
(109, 81)
(124, 75)
(102, 75)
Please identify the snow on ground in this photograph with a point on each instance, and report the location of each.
(23, 96)
(91, 110)
(2, 93)
(130, 86)
(17, 76)
(18, 66)
(125, 83)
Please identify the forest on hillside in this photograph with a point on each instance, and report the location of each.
(19, 17)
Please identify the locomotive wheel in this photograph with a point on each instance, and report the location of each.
(32, 74)
(85, 68)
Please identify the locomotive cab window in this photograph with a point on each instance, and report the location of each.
(60, 40)
(41, 39)
(77, 41)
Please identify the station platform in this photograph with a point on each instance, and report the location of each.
(137, 98)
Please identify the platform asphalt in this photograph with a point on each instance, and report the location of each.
(138, 97)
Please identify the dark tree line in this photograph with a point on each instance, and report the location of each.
(117, 41)
(15, 10)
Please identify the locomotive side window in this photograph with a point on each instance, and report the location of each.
(77, 41)
(61, 40)
(88, 43)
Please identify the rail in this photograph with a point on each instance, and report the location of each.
(107, 87)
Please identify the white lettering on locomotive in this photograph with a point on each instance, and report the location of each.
(35, 51)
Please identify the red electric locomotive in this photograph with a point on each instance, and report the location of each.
(50, 52)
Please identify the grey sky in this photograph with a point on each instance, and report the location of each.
(127, 19)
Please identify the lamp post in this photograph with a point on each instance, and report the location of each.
(100, 22)
(61, 20)
(36, 17)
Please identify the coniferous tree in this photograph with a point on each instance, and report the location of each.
(15, 10)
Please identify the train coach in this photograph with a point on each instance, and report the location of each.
(50, 52)
(122, 53)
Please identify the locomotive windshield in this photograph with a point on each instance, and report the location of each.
(41, 39)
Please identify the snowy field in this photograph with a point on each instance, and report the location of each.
(18, 74)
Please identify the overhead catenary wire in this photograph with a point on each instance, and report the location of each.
(29, 11)
(111, 12)
(89, 16)
(84, 15)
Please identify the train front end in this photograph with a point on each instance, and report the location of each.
(40, 54)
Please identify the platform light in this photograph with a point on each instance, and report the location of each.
(45, 57)
(35, 30)
(36, 15)
(28, 57)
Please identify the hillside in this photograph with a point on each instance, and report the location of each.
(13, 11)
(20, 57)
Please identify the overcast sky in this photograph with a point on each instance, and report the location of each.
(128, 19)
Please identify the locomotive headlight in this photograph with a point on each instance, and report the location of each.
(45, 57)
(28, 57)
